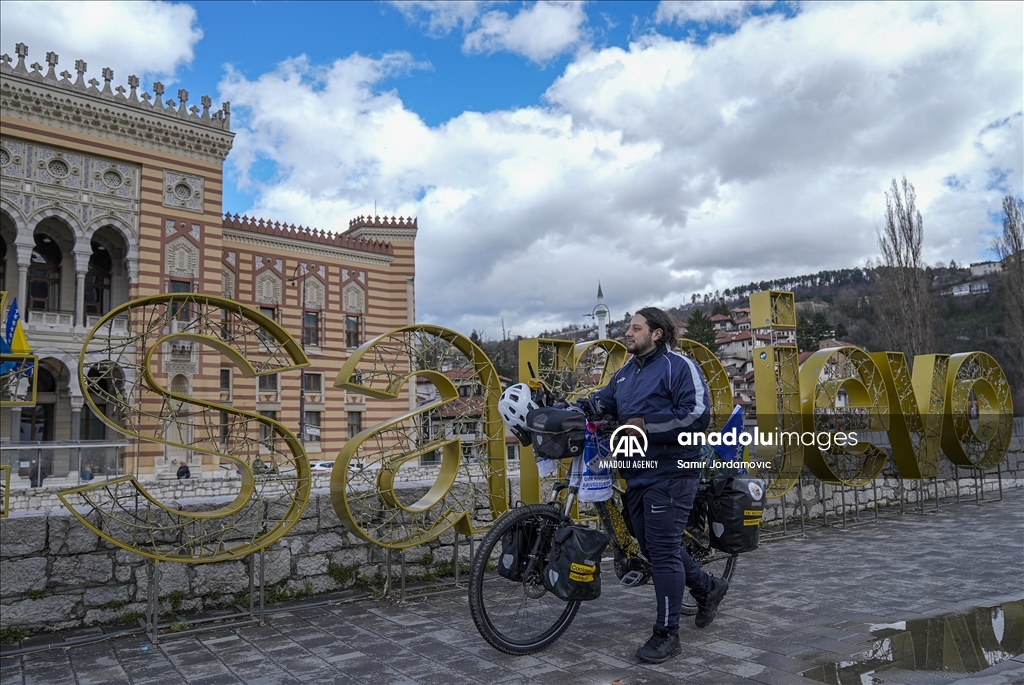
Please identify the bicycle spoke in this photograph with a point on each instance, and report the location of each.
(517, 617)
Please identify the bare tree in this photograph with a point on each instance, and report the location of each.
(1010, 248)
(903, 306)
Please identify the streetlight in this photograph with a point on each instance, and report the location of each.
(600, 314)
(302, 342)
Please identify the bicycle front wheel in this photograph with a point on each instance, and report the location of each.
(517, 617)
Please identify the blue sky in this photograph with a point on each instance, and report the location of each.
(253, 37)
(664, 148)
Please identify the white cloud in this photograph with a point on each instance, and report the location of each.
(665, 168)
(144, 38)
(539, 32)
(440, 16)
(704, 11)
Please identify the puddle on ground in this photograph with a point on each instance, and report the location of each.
(955, 643)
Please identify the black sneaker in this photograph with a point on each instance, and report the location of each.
(707, 605)
(661, 646)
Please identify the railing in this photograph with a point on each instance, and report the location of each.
(188, 325)
(67, 463)
(37, 318)
(52, 319)
(117, 326)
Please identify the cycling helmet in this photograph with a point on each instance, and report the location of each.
(514, 404)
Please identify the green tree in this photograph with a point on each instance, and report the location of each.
(804, 338)
(721, 308)
(700, 329)
(810, 333)
(820, 327)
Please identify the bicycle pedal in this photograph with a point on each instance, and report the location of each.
(633, 579)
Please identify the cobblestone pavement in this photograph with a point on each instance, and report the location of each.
(795, 603)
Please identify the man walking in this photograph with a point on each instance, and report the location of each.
(663, 393)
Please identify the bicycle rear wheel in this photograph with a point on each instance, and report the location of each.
(517, 617)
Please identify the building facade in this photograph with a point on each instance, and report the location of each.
(111, 194)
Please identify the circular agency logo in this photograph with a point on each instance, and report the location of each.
(628, 441)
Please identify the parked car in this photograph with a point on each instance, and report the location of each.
(321, 466)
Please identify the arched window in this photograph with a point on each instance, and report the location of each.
(44, 275)
(103, 386)
(97, 281)
(37, 421)
(3, 264)
(92, 427)
(180, 431)
(180, 385)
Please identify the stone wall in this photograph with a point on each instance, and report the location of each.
(56, 574)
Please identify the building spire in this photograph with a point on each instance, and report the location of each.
(601, 314)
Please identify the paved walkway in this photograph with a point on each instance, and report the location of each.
(795, 603)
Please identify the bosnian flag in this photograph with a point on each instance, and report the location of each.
(15, 341)
(733, 428)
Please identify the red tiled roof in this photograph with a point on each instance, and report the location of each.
(724, 337)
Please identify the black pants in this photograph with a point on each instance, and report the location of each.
(658, 514)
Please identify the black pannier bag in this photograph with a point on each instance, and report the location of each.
(556, 433)
(573, 569)
(735, 512)
(515, 551)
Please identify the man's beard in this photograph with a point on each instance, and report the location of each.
(639, 347)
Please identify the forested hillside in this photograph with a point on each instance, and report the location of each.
(840, 304)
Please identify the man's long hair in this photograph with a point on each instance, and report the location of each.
(657, 318)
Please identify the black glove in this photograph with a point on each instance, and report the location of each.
(591, 407)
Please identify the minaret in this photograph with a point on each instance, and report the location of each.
(601, 312)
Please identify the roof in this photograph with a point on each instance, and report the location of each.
(468, 407)
(725, 337)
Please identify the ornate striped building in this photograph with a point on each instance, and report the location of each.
(110, 194)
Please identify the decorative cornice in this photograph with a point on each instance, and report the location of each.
(306, 235)
(390, 228)
(76, 106)
(305, 249)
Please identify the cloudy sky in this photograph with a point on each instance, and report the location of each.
(661, 148)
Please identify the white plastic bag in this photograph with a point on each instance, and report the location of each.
(595, 483)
